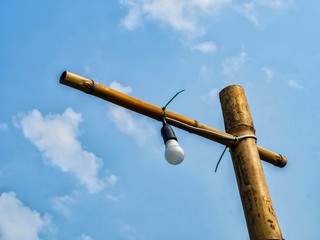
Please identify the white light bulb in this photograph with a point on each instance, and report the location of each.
(174, 154)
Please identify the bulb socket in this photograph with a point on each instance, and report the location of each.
(167, 133)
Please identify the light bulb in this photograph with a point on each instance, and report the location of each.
(174, 154)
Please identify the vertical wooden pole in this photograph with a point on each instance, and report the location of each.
(261, 219)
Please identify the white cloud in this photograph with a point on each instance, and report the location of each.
(133, 18)
(112, 180)
(251, 9)
(181, 15)
(186, 16)
(232, 65)
(268, 72)
(128, 122)
(129, 232)
(19, 222)
(61, 203)
(205, 47)
(212, 96)
(295, 85)
(204, 72)
(56, 137)
(117, 86)
(171, 12)
(113, 198)
(274, 4)
(85, 237)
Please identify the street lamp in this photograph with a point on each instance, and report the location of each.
(240, 137)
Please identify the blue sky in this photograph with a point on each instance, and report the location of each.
(75, 167)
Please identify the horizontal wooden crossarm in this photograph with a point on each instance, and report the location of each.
(91, 87)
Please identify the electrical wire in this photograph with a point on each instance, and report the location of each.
(164, 108)
(194, 129)
(197, 129)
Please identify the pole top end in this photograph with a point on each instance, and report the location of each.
(63, 76)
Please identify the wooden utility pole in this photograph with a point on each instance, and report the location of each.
(261, 219)
(239, 137)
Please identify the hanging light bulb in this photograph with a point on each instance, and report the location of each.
(174, 154)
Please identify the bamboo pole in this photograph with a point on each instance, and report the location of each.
(89, 86)
(261, 219)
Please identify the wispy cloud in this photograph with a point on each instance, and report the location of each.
(111, 180)
(268, 72)
(274, 4)
(294, 84)
(85, 237)
(61, 203)
(129, 232)
(251, 9)
(205, 47)
(117, 86)
(204, 72)
(19, 222)
(186, 15)
(134, 17)
(232, 65)
(55, 135)
(212, 96)
(181, 15)
(128, 122)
